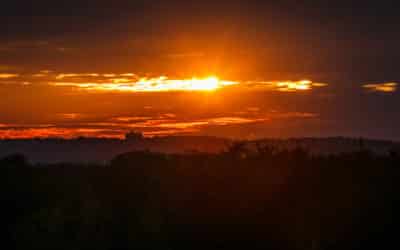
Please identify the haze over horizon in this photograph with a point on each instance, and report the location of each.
(237, 69)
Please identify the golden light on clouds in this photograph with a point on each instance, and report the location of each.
(72, 125)
(130, 82)
(286, 86)
(382, 87)
(62, 76)
(158, 84)
(7, 75)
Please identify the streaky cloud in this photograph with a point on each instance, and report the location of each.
(387, 87)
(72, 126)
(285, 86)
(8, 75)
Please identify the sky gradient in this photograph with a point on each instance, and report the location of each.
(242, 69)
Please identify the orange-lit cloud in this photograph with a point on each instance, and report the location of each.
(70, 116)
(174, 123)
(42, 73)
(164, 84)
(69, 75)
(169, 132)
(8, 75)
(158, 84)
(222, 121)
(125, 82)
(286, 86)
(157, 125)
(381, 87)
(131, 118)
(183, 125)
(67, 133)
(130, 82)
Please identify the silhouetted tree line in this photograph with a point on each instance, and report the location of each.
(266, 199)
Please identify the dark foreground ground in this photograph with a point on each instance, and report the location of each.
(234, 200)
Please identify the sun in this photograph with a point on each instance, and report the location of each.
(207, 84)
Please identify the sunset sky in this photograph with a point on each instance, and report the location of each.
(238, 69)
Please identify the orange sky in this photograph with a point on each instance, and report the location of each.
(68, 105)
(108, 104)
(243, 69)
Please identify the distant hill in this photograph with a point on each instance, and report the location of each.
(331, 145)
(97, 150)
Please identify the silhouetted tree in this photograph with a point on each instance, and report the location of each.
(269, 198)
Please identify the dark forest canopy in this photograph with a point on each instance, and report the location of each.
(142, 200)
(99, 150)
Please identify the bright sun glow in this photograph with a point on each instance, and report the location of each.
(158, 84)
(210, 83)
(129, 82)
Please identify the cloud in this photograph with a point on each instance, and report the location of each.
(131, 82)
(109, 75)
(131, 118)
(75, 75)
(42, 73)
(285, 86)
(54, 132)
(168, 115)
(223, 121)
(70, 116)
(169, 132)
(74, 125)
(8, 75)
(381, 87)
(134, 83)
(156, 84)
(164, 84)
